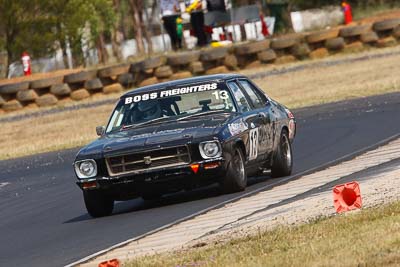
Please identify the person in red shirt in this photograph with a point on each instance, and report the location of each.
(348, 17)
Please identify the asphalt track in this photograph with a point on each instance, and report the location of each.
(43, 221)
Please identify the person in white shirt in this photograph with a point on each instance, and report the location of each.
(170, 12)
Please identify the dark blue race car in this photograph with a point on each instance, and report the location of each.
(184, 134)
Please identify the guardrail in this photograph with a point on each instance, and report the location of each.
(112, 79)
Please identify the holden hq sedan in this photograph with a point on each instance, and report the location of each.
(185, 134)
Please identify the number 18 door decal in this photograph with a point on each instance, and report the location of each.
(253, 135)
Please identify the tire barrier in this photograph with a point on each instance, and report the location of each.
(321, 36)
(347, 197)
(94, 84)
(196, 68)
(369, 37)
(267, 56)
(386, 25)
(354, 31)
(60, 90)
(335, 44)
(46, 100)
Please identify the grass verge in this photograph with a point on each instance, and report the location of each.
(367, 238)
(307, 87)
(382, 11)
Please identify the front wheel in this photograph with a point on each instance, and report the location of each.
(235, 179)
(283, 160)
(97, 203)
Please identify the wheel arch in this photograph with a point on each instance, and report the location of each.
(278, 138)
(240, 144)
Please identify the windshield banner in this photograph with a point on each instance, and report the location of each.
(171, 92)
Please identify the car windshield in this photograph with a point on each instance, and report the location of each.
(169, 104)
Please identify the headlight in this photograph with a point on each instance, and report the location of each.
(86, 168)
(211, 149)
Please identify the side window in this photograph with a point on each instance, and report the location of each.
(239, 96)
(258, 100)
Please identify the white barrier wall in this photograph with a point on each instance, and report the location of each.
(316, 19)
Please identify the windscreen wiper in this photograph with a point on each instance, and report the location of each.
(130, 126)
(203, 113)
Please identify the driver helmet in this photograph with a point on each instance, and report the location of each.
(149, 109)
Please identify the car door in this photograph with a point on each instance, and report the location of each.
(252, 119)
(264, 112)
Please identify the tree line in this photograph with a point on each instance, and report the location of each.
(42, 27)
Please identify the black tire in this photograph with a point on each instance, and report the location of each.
(235, 179)
(80, 77)
(113, 70)
(60, 89)
(126, 79)
(94, 84)
(11, 105)
(267, 56)
(282, 43)
(369, 37)
(26, 95)
(97, 204)
(196, 67)
(152, 63)
(385, 25)
(213, 54)
(300, 51)
(354, 30)
(320, 36)
(335, 43)
(46, 100)
(283, 160)
(163, 72)
(13, 88)
(46, 82)
(396, 32)
(183, 58)
(136, 67)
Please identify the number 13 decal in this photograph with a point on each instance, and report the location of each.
(221, 95)
(253, 135)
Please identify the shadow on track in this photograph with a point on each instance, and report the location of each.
(138, 204)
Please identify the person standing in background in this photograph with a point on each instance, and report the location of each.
(170, 13)
(216, 5)
(348, 16)
(195, 9)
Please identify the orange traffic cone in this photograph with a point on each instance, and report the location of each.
(347, 197)
(110, 263)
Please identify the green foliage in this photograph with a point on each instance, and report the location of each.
(36, 26)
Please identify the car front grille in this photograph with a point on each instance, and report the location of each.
(147, 160)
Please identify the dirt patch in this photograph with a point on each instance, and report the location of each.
(37, 76)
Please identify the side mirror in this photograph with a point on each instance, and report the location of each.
(100, 130)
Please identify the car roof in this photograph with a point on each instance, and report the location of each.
(199, 79)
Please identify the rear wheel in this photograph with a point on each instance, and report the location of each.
(235, 179)
(97, 203)
(283, 160)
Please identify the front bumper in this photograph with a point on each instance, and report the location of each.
(166, 179)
